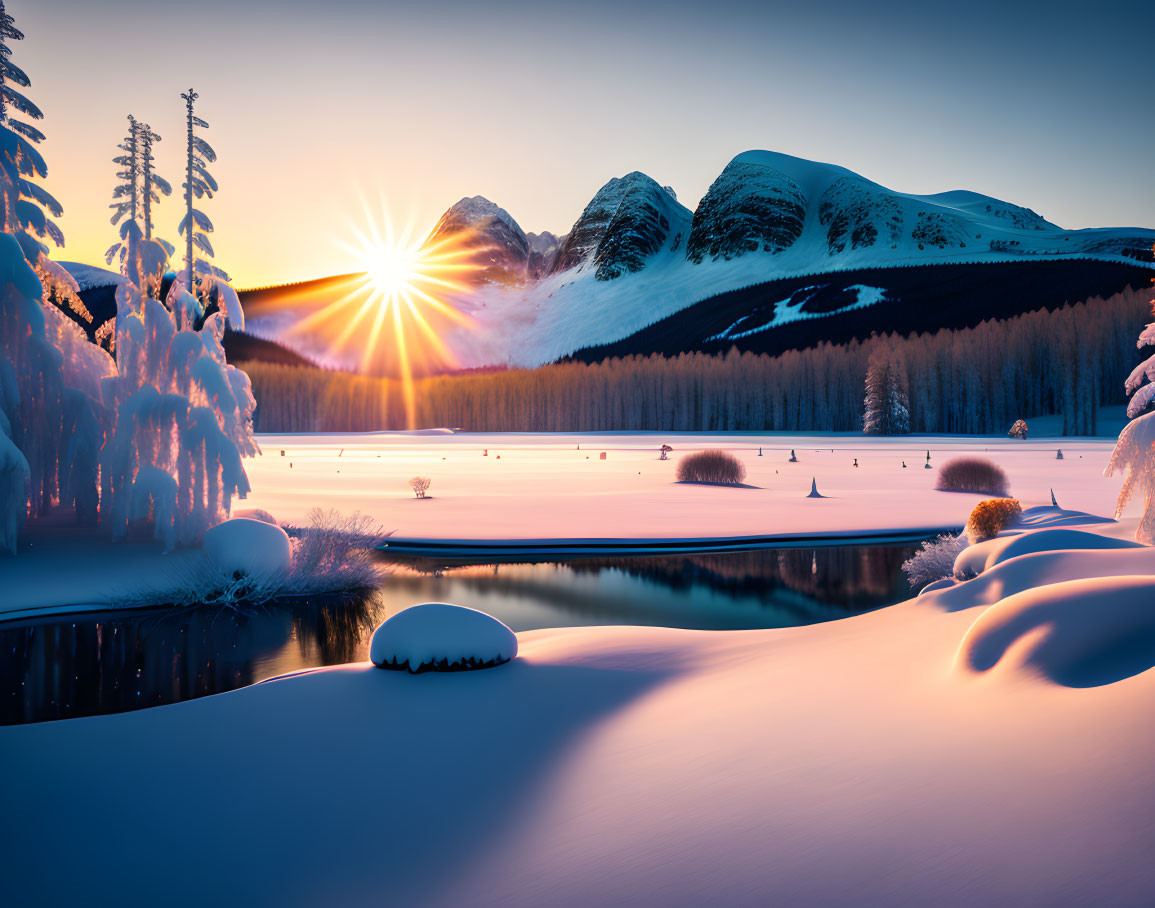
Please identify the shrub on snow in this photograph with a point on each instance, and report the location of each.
(972, 474)
(934, 560)
(991, 517)
(333, 554)
(1019, 429)
(711, 466)
(440, 637)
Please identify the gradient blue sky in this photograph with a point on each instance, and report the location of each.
(318, 106)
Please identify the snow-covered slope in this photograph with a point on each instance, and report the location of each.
(89, 276)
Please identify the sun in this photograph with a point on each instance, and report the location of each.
(393, 269)
(394, 313)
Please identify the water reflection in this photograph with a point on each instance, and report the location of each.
(106, 662)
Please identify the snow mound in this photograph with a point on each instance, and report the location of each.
(437, 636)
(250, 548)
(257, 514)
(1040, 569)
(977, 558)
(1080, 633)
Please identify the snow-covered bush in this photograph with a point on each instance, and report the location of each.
(334, 553)
(1134, 454)
(440, 637)
(711, 466)
(991, 517)
(972, 474)
(934, 560)
(1019, 429)
(420, 485)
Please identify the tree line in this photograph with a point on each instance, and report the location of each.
(975, 380)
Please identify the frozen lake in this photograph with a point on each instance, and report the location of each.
(115, 661)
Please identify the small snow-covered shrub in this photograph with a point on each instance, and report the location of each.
(934, 560)
(972, 474)
(991, 517)
(1019, 429)
(440, 637)
(334, 553)
(712, 466)
(420, 485)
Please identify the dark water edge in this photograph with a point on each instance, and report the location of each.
(104, 662)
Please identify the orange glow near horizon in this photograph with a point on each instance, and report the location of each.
(390, 316)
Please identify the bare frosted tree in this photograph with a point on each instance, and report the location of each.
(420, 485)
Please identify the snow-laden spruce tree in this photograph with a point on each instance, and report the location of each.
(200, 279)
(143, 260)
(1134, 454)
(887, 402)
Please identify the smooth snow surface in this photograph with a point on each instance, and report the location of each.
(932, 753)
(441, 635)
(249, 547)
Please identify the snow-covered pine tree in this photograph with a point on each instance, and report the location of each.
(1134, 454)
(887, 402)
(199, 276)
(24, 203)
(126, 201)
(152, 184)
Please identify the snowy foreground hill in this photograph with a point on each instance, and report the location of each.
(636, 255)
(985, 744)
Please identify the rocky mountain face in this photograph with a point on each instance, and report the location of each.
(628, 221)
(499, 247)
(543, 249)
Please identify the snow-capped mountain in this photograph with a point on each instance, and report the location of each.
(629, 220)
(816, 217)
(636, 256)
(502, 250)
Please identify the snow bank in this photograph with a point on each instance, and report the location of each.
(1039, 569)
(437, 636)
(250, 548)
(1079, 633)
(977, 558)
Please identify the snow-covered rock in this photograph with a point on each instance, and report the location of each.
(251, 548)
(1080, 633)
(437, 636)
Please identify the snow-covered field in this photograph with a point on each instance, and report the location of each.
(533, 487)
(545, 486)
(990, 744)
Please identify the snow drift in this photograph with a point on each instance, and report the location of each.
(1078, 633)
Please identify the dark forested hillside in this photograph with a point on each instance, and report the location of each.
(973, 380)
(839, 306)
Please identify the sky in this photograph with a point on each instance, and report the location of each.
(325, 115)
